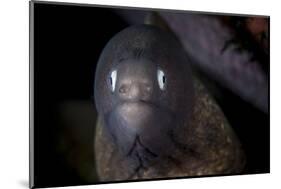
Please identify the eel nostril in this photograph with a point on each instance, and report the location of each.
(123, 89)
(135, 91)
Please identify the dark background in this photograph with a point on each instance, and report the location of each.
(67, 43)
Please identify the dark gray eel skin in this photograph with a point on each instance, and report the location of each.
(155, 118)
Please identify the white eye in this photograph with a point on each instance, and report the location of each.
(112, 78)
(161, 79)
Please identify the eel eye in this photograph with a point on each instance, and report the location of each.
(112, 80)
(161, 79)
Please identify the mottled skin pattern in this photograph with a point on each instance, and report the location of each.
(182, 132)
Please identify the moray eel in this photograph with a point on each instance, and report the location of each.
(146, 100)
(140, 89)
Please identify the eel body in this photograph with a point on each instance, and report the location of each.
(156, 120)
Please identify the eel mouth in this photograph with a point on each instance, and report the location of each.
(141, 130)
(135, 114)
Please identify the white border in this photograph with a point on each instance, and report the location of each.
(14, 88)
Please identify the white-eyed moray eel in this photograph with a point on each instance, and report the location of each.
(156, 120)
